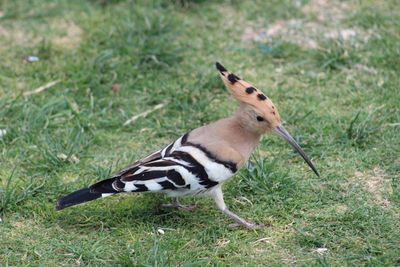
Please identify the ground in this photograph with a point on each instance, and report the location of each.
(331, 68)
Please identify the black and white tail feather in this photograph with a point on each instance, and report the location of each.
(180, 169)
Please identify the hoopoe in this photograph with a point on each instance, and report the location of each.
(199, 162)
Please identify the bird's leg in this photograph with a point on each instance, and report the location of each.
(176, 205)
(219, 200)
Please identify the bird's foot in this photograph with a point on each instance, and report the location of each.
(176, 205)
(179, 207)
(241, 222)
(191, 207)
(250, 226)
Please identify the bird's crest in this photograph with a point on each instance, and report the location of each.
(246, 93)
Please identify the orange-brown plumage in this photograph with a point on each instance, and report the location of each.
(248, 94)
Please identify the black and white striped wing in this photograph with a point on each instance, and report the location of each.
(158, 175)
(181, 166)
(178, 171)
(152, 157)
(157, 172)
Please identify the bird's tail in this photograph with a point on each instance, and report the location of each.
(98, 190)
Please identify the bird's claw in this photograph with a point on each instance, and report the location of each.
(179, 207)
(250, 226)
(191, 207)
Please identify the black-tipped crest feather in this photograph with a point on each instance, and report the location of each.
(220, 68)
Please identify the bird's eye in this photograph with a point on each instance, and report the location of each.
(259, 118)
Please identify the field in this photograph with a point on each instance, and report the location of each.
(331, 67)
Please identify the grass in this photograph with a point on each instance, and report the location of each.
(339, 100)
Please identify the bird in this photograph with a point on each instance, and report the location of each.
(199, 162)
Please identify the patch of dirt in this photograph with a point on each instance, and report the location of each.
(375, 182)
(65, 34)
(230, 14)
(321, 250)
(288, 258)
(69, 177)
(324, 21)
(3, 32)
(21, 228)
(366, 69)
(71, 37)
(16, 36)
(326, 10)
(222, 243)
(292, 31)
(341, 208)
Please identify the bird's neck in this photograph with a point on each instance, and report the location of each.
(226, 133)
(243, 139)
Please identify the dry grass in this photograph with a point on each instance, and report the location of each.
(70, 34)
(324, 21)
(376, 182)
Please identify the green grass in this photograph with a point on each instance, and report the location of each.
(340, 101)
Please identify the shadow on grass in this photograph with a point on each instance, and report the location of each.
(125, 213)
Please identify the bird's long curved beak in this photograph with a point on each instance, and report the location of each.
(283, 133)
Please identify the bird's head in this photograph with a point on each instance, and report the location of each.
(257, 112)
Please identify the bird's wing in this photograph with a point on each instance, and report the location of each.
(164, 173)
(180, 165)
(169, 168)
(159, 154)
(158, 171)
